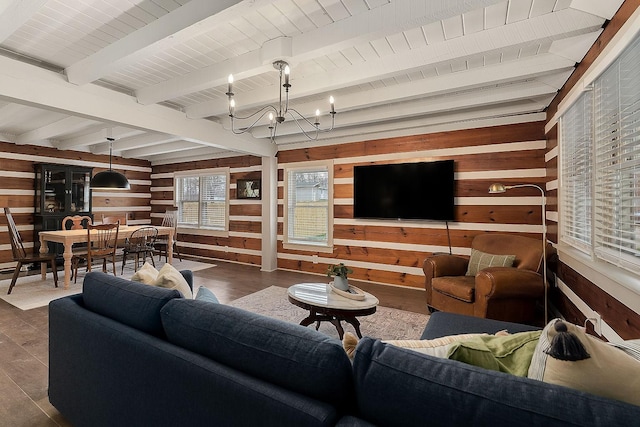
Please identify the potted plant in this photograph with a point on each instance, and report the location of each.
(340, 272)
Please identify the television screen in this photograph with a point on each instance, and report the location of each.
(422, 190)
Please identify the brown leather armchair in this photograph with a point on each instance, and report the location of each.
(502, 293)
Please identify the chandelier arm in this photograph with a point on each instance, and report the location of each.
(317, 128)
(262, 112)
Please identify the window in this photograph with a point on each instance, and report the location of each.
(202, 198)
(601, 165)
(308, 216)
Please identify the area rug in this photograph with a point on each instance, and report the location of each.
(31, 292)
(386, 323)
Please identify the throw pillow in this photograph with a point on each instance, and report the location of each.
(481, 260)
(146, 274)
(169, 277)
(205, 294)
(609, 371)
(511, 354)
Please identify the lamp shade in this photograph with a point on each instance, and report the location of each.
(497, 188)
(111, 180)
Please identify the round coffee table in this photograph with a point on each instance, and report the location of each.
(325, 305)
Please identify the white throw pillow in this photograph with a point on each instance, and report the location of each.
(169, 277)
(146, 274)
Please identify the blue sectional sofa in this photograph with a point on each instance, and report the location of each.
(127, 354)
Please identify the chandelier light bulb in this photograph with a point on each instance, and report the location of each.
(229, 89)
(333, 105)
(287, 71)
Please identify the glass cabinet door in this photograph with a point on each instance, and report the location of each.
(80, 191)
(55, 190)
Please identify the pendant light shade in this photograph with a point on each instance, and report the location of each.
(110, 179)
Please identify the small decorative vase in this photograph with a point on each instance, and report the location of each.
(341, 283)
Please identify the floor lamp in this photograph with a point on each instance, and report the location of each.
(500, 188)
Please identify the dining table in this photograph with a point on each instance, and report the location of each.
(69, 237)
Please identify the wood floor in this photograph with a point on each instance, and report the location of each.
(24, 336)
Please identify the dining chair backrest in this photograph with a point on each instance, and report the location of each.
(103, 239)
(20, 255)
(17, 247)
(170, 218)
(121, 219)
(76, 222)
(143, 238)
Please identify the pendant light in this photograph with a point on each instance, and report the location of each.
(110, 179)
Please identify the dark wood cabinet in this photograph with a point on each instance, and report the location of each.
(61, 190)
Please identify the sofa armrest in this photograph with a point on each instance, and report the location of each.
(445, 265)
(441, 324)
(508, 282)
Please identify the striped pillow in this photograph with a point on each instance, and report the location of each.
(480, 260)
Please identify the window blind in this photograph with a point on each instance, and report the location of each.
(187, 197)
(213, 201)
(617, 161)
(575, 191)
(202, 200)
(308, 206)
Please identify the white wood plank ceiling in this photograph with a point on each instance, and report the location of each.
(155, 71)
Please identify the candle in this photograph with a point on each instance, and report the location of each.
(232, 106)
(230, 80)
(332, 102)
(287, 71)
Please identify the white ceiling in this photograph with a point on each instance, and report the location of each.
(154, 72)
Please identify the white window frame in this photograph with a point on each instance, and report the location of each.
(606, 199)
(302, 245)
(202, 229)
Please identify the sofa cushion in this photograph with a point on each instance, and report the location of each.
(286, 354)
(480, 260)
(458, 287)
(396, 386)
(131, 303)
(608, 372)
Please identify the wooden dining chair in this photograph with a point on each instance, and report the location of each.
(21, 256)
(76, 222)
(141, 242)
(102, 244)
(170, 219)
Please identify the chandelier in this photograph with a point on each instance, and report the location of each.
(276, 114)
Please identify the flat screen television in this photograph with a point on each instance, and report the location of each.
(423, 190)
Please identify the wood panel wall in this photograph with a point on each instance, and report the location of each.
(244, 240)
(17, 189)
(392, 252)
(580, 296)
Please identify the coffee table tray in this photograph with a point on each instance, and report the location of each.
(353, 293)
